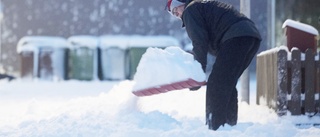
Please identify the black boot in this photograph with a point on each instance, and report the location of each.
(214, 122)
(232, 110)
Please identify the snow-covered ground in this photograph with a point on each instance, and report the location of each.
(109, 109)
(75, 108)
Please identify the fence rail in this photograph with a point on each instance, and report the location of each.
(289, 81)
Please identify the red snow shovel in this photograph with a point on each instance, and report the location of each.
(168, 87)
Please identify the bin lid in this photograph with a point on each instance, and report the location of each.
(84, 41)
(300, 26)
(120, 41)
(153, 41)
(30, 43)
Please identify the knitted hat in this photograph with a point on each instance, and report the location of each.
(174, 3)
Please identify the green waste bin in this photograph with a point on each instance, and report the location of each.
(82, 58)
(138, 46)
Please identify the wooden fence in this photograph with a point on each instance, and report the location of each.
(289, 81)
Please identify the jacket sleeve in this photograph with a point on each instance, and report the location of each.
(197, 32)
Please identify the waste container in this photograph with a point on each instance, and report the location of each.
(112, 57)
(139, 44)
(83, 57)
(42, 57)
(27, 68)
(300, 35)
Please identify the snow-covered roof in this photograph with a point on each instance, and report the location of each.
(120, 41)
(300, 26)
(153, 41)
(30, 43)
(84, 41)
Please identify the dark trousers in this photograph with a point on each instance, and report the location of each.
(232, 59)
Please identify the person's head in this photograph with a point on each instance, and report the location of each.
(175, 7)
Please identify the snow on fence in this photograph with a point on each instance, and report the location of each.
(289, 81)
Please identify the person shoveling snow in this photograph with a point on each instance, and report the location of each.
(219, 29)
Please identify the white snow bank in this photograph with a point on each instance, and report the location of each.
(158, 67)
(300, 26)
(75, 108)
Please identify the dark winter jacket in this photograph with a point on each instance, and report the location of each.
(209, 23)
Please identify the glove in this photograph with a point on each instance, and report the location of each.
(194, 88)
(204, 68)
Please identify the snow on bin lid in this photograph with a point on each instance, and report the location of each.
(153, 41)
(300, 26)
(158, 67)
(84, 41)
(31, 43)
(120, 41)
